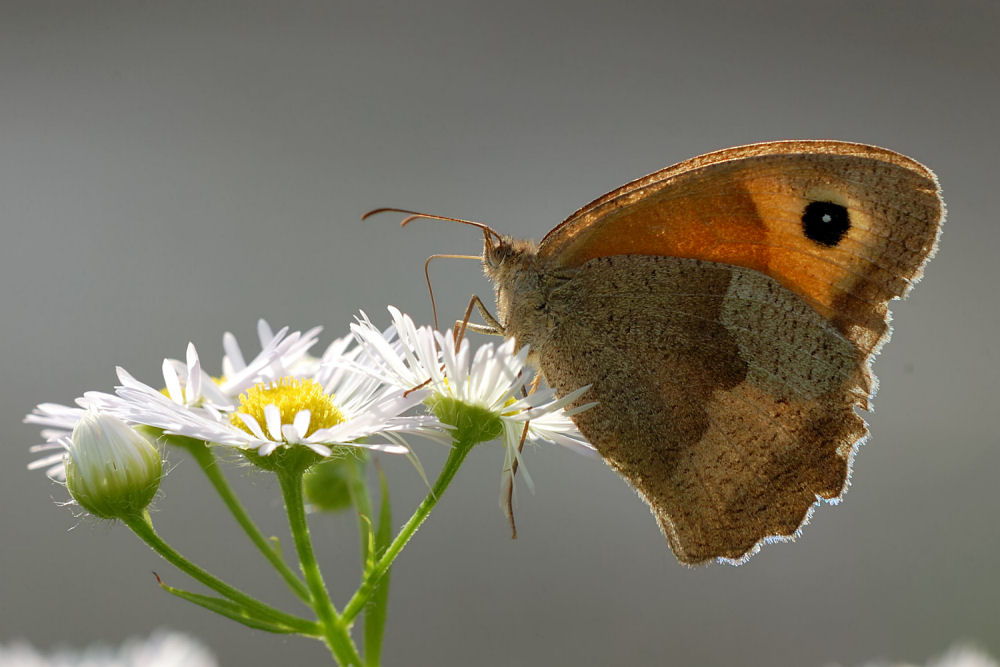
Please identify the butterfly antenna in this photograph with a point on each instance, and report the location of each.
(416, 215)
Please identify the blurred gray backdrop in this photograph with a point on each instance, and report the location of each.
(170, 171)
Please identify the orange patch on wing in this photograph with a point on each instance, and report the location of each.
(690, 225)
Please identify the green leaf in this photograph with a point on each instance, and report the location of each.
(239, 613)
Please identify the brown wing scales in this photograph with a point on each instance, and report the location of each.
(728, 404)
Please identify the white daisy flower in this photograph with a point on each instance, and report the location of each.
(492, 379)
(336, 406)
(188, 385)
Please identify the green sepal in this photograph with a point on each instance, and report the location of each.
(295, 459)
(468, 423)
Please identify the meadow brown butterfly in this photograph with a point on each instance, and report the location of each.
(725, 312)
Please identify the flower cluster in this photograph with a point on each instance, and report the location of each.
(365, 392)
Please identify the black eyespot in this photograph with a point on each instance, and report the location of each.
(825, 222)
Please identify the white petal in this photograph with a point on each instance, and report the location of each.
(268, 447)
(291, 434)
(387, 448)
(251, 423)
(232, 360)
(264, 333)
(581, 447)
(172, 381)
(194, 374)
(320, 449)
(47, 446)
(272, 420)
(513, 441)
(47, 461)
(301, 421)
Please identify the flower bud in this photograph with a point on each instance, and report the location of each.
(327, 484)
(111, 470)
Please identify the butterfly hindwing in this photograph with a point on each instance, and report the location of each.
(700, 419)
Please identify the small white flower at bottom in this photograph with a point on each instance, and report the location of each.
(162, 649)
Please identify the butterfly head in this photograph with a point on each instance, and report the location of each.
(511, 265)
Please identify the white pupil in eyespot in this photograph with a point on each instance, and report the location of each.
(827, 217)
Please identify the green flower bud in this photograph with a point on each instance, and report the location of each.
(111, 470)
(328, 484)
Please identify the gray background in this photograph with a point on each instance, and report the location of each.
(169, 171)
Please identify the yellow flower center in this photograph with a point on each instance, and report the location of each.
(291, 396)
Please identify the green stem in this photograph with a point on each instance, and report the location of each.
(458, 453)
(336, 633)
(205, 458)
(142, 526)
(377, 609)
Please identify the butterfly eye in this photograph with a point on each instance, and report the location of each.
(825, 222)
(498, 254)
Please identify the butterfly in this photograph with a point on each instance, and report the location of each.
(725, 312)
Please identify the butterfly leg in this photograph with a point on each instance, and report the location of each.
(507, 494)
(491, 328)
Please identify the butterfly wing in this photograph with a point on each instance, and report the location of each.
(727, 342)
(724, 399)
(847, 227)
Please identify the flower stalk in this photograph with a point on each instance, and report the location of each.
(335, 631)
(381, 566)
